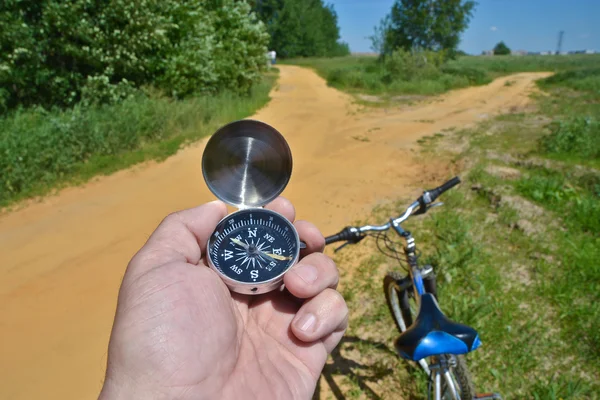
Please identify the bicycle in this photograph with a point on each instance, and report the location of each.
(430, 335)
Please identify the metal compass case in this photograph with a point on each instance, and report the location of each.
(247, 164)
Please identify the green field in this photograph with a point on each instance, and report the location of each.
(516, 250)
(363, 74)
(43, 150)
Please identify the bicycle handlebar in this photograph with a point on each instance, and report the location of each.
(430, 195)
(346, 234)
(352, 234)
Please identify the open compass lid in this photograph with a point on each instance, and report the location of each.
(247, 163)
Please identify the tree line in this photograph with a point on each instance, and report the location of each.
(58, 53)
(301, 28)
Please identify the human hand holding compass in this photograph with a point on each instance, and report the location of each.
(179, 332)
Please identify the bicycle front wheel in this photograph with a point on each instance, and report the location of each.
(461, 379)
(402, 306)
(398, 301)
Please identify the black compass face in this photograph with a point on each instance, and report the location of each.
(253, 246)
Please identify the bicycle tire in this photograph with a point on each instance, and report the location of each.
(399, 303)
(397, 300)
(461, 375)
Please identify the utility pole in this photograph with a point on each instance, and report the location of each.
(560, 40)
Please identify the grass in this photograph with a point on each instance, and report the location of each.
(503, 65)
(364, 74)
(515, 250)
(44, 150)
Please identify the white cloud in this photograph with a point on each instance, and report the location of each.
(493, 28)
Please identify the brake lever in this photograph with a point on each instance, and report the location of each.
(438, 204)
(353, 241)
(341, 247)
(424, 208)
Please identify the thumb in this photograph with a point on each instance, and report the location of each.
(180, 237)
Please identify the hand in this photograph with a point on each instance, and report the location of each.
(179, 333)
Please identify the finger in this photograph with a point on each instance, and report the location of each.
(321, 316)
(284, 207)
(312, 236)
(311, 276)
(181, 236)
(333, 339)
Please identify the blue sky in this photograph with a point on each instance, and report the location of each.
(531, 25)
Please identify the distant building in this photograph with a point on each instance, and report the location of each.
(487, 53)
(519, 53)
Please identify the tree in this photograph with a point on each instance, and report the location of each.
(501, 49)
(379, 39)
(58, 52)
(424, 24)
(301, 28)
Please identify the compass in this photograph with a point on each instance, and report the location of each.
(247, 164)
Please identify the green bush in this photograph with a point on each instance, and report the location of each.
(501, 49)
(579, 136)
(405, 65)
(401, 72)
(39, 148)
(54, 52)
(354, 78)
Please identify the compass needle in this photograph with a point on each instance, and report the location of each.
(277, 257)
(239, 243)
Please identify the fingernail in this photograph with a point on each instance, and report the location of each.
(307, 323)
(308, 273)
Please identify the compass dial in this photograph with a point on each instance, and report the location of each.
(251, 250)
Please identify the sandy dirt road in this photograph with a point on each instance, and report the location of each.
(61, 260)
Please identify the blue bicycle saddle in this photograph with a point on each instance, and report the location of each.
(433, 333)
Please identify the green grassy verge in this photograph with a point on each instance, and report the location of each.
(363, 74)
(43, 150)
(516, 250)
